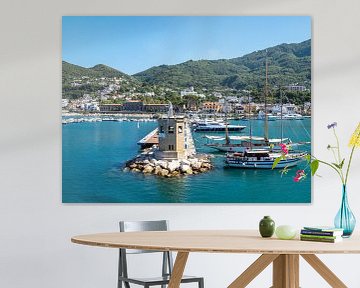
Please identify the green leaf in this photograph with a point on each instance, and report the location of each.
(336, 165)
(307, 158)
(314, 165)
(276, 162)
(342, 163)
(284, 171)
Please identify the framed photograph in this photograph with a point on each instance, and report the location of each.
(186, 109)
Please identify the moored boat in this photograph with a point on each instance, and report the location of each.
(262, 159)
(216, 126)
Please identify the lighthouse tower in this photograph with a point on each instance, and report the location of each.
(171, 137)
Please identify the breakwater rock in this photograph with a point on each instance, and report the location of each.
(169, 168)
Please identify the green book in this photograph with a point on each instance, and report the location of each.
(325, 240)
(324, 228)
(319, 236)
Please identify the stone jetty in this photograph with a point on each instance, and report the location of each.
(169, 168)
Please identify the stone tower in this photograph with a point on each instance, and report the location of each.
(171, 138)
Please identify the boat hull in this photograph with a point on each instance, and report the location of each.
(263, 164)
(237, 148)
(219, 129)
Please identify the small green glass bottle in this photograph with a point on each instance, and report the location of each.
(266, 227)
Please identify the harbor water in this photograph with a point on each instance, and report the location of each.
(94, 154)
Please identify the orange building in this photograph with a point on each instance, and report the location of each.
(212, 106)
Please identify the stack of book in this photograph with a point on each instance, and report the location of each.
(321, 234)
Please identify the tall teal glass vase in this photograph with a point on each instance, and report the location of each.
(345, 219)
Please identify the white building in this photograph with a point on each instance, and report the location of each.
(295, 88)
(188, 91)
(286, 108)
(64, 103)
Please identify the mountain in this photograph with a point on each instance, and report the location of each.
(75, 86)
(288, 63)
(70, 71)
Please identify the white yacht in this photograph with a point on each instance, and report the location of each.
(262, 159)
(216, 126)
(292, 116)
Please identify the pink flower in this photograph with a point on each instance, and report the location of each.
(284, 148)
(300, 174)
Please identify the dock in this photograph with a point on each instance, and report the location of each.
(150, 139)
(190, 149)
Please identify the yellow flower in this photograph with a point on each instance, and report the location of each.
(355, 138)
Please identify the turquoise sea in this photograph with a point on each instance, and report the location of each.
(94, 154)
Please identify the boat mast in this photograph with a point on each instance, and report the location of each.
(250, 127)
(227, 138)
(281, 117)
(266, 124)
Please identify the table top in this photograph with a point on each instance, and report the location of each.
(217, 241)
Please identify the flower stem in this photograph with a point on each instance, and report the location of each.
(336, 169)
(338, 145)
(339, 160)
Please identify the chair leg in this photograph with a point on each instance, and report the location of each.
(201, 283)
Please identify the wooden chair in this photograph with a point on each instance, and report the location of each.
(167, 262)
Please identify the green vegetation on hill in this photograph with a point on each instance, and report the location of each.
(288, 63)
(71, 71)
(86, 78)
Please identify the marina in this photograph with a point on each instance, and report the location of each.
(100, 150)
(79, 119)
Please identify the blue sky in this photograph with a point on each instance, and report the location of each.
(136, 43)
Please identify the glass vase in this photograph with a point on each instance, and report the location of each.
(345, 219)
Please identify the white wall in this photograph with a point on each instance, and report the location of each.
(35, 228)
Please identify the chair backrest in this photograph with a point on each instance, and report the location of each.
(137, 226)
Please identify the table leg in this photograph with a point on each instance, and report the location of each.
(286, 271)
(324, 271)
(253, 270)
(178, 269)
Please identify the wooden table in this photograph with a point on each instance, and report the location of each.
(284, 254)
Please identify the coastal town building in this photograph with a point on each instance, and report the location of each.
(156, 108)
(188, 91)
(209, 106)
(64, 103)
(90, 106)
(106, 108)
(295, 88)
(133, 105)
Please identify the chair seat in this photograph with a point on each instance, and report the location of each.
(158, 280)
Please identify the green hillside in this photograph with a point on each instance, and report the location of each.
(73, 73)
(70, 71)
(288, 63)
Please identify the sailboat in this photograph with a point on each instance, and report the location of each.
(248, 142)
(262, 158)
